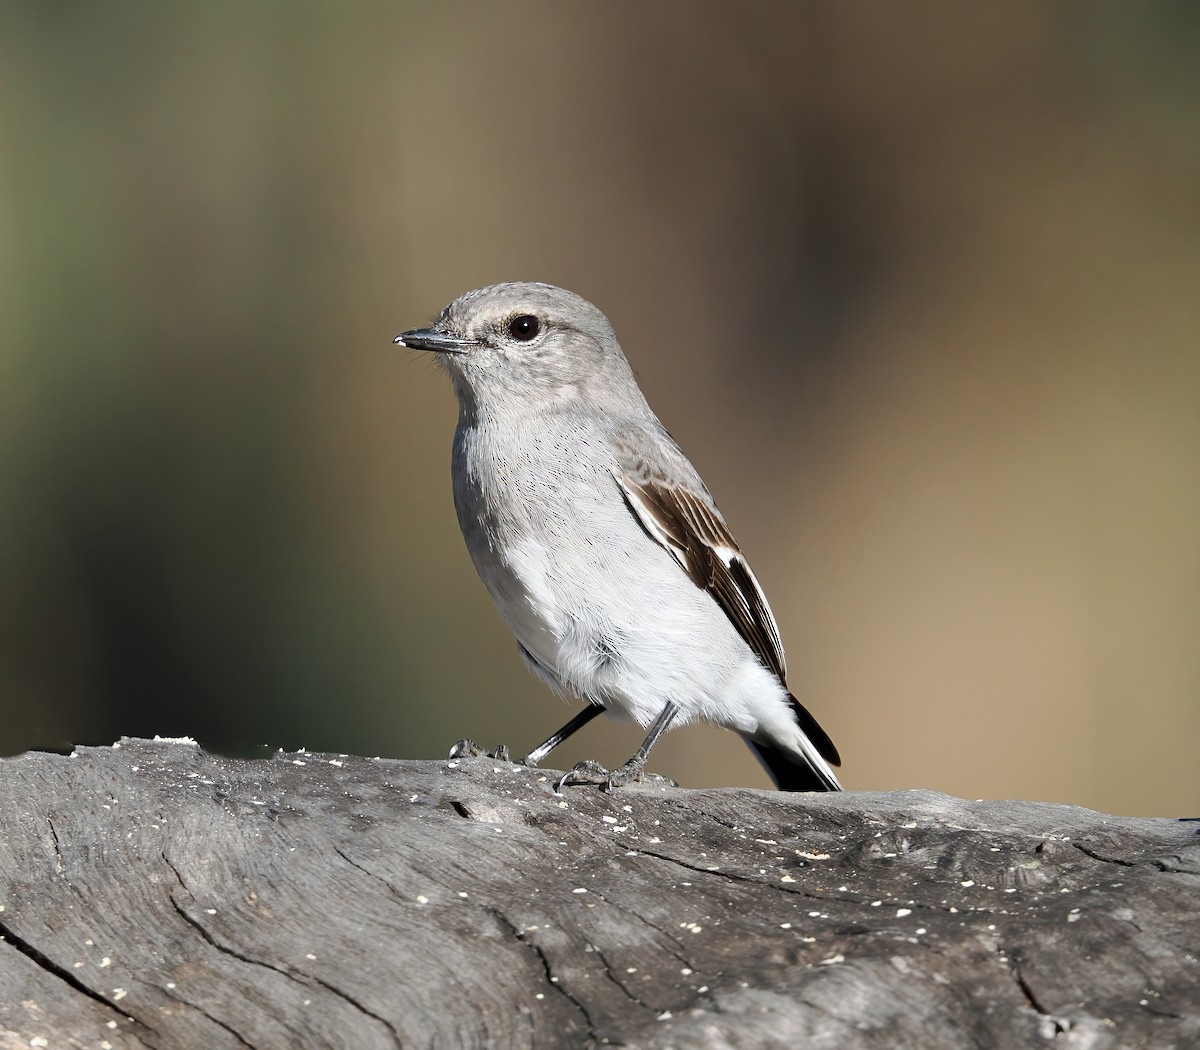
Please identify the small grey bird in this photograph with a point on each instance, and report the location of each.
(599, 542)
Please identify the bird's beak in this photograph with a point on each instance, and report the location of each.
(432, 339)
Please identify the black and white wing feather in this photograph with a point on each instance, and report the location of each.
(700, 541)
(680, 515)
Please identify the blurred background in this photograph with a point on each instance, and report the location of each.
(916, 286)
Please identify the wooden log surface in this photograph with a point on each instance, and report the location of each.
(155, 895)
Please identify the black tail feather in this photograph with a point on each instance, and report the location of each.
(818, 736)
(789, 770)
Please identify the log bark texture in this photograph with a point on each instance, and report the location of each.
(154, 895)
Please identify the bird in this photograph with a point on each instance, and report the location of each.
(599, 542)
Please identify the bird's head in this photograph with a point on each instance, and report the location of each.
(527, 346)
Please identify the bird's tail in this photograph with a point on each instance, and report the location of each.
(807, 771)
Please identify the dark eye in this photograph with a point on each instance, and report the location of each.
(524, 328)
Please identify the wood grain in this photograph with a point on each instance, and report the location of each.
(155, 895)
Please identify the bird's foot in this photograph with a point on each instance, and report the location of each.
(470, 749)
(590, 772)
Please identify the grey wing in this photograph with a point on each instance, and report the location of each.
(675, 508)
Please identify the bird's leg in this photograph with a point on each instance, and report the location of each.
(550, 743)
(594, 773)
(470, 749)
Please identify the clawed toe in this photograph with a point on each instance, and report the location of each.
(589, 772)
(470, 749)
(585, 772)
(627, 774)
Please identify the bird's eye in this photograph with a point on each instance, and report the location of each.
(524, 328)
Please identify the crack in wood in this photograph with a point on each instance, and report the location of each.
(611, 974)
(67, 977)
(654, 926)
(794, 890)
(286, 972)
(371, 875)
(1011, 962)
(1104, 860)
(60, 864)
(223, 1025)
(348, 998)
(554, 982)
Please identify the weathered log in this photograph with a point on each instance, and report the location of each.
(155, 895)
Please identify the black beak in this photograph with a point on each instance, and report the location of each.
(432, 339)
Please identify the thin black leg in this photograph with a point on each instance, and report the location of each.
(661, 724)
(570, 729)
(470, 749)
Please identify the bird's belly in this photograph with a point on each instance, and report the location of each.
(630, 634)
(518, 582)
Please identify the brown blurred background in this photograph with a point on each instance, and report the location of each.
(916, 285)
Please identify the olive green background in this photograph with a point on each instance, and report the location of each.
(914, 284)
